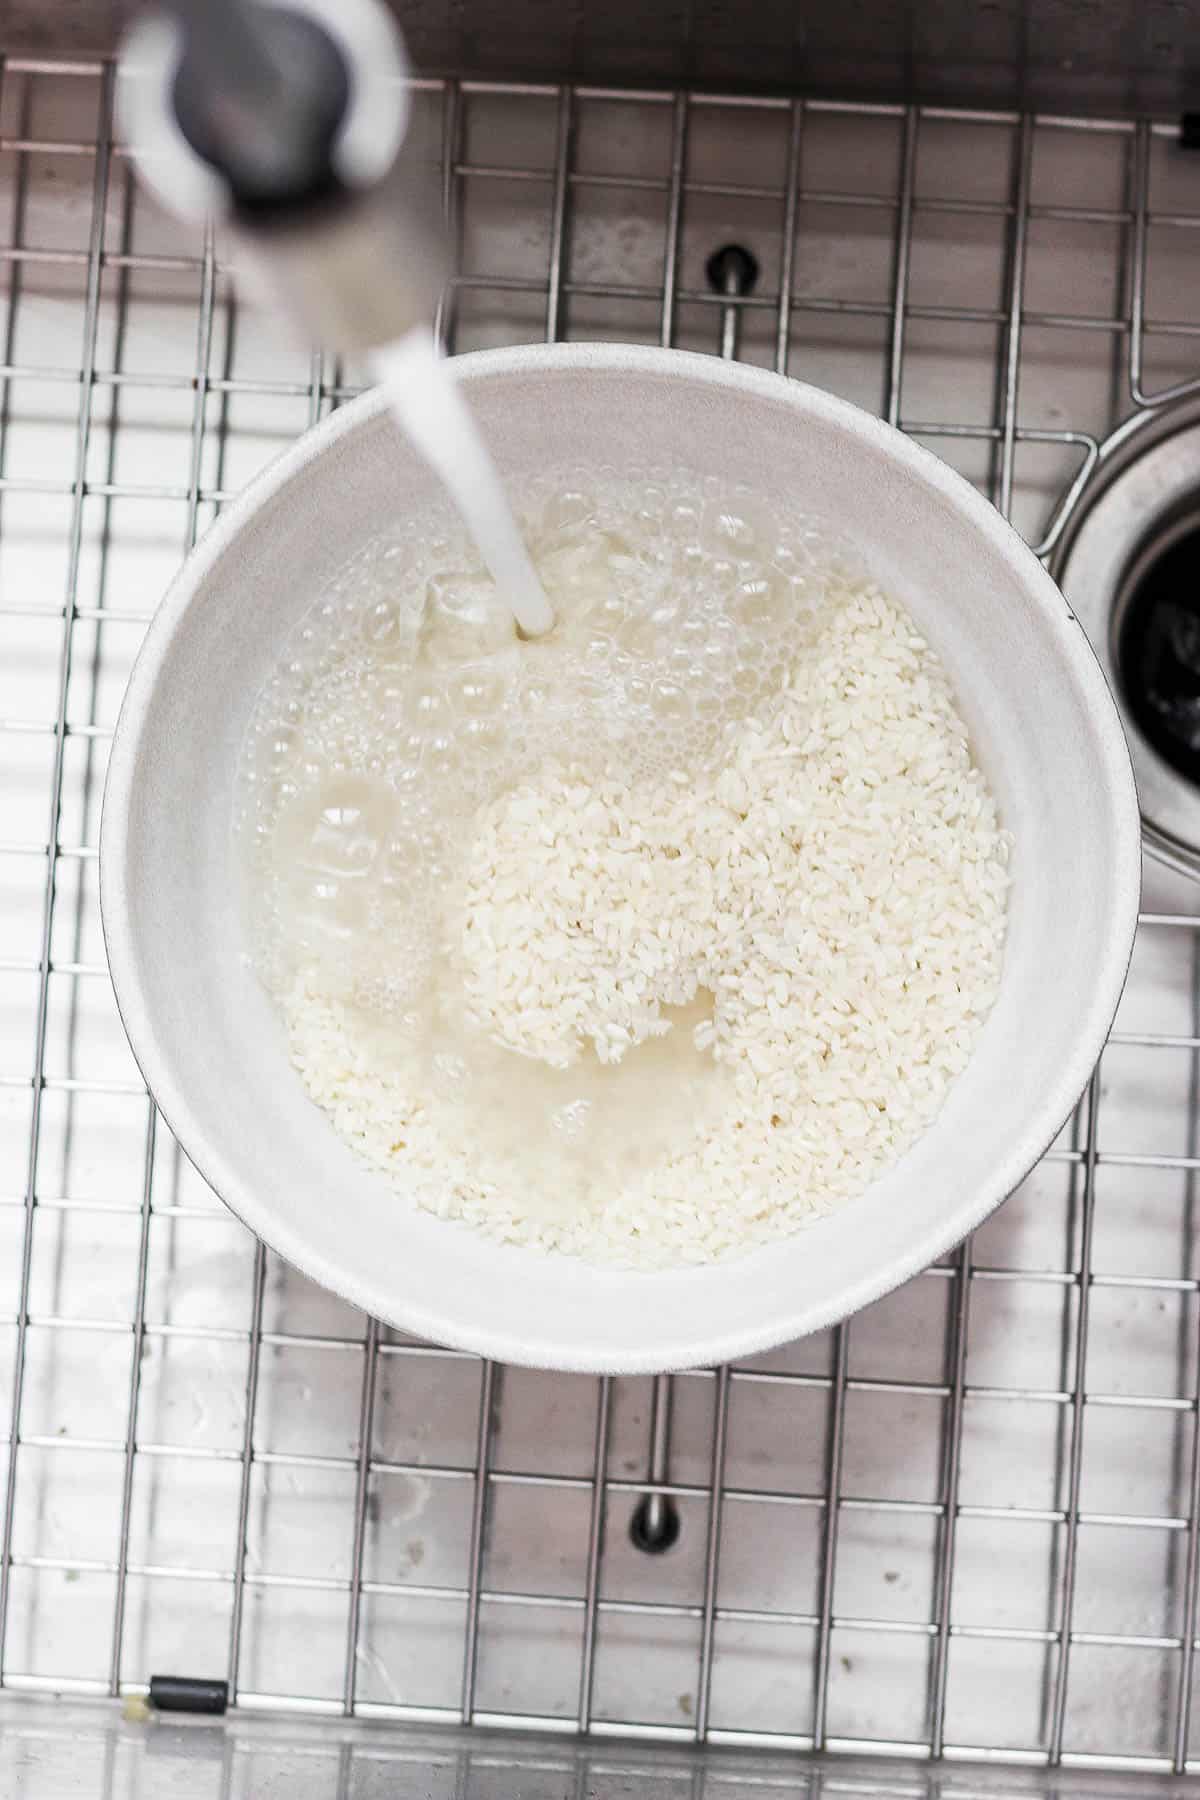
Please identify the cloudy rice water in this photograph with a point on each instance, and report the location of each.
(649, 941)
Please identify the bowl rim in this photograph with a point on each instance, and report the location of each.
(413, 1312)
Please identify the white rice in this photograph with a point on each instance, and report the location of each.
(836, 881)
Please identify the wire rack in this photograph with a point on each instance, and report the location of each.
(965, 1523)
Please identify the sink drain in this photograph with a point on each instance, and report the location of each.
(1157, 632)
(1129, 565)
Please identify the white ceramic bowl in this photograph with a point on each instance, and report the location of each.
(1045, 728)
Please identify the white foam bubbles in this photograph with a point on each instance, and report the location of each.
(405, 699)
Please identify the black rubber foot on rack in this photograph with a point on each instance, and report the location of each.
(731, 270)
(184, 1693)
(654, 1528)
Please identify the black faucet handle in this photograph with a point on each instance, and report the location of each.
(260, 94)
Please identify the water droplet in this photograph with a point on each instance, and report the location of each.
(568, 511)
(669, 700)
(756, 601)
(685, 521)
(464, 617)
(386, 628)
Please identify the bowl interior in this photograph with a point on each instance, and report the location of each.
(1045, 730)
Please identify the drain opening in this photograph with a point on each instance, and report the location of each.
(1157, 644)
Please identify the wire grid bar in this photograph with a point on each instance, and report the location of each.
(608, 1625)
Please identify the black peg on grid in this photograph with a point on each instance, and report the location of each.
(654, 1527)
(732, 270)
(188, 1694)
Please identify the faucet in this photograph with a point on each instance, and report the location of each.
(287, 124)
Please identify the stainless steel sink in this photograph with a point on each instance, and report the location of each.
(965, 1525)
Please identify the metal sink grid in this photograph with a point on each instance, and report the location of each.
(963, 1525)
